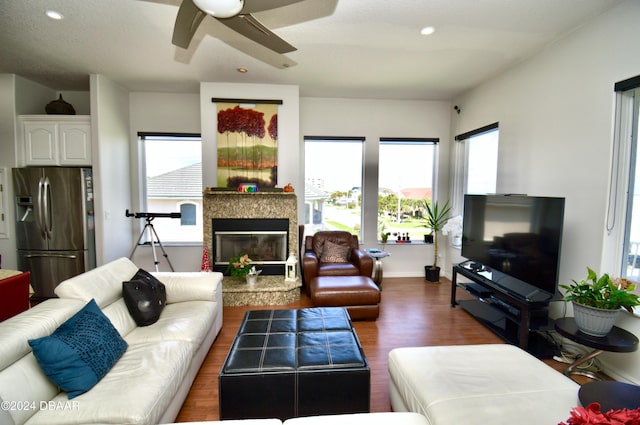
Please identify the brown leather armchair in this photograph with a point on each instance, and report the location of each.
(334, 253)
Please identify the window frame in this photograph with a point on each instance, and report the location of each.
(616, 248)
(143, 138)
(182, 215)
(461, 164)
(338, 139)
(431, 141)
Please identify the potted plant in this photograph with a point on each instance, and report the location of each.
(598, 300)
(384, 236)
(428, 238)
(240, 266)
(435, 218)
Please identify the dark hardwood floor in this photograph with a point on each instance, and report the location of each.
(413, 313)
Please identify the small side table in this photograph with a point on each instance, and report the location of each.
(377, 255)
(618, 341)
(610, 394)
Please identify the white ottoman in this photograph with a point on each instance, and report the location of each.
(479, 384)
(378, 418)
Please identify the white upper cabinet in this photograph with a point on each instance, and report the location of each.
(56, 140)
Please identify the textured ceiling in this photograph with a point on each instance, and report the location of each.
(346, 48)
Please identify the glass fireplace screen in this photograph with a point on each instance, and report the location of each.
(263, 247)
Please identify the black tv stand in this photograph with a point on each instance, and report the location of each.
(513, 310)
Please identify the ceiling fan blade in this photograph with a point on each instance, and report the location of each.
(251, 28)
(252, 6)
(187, 22)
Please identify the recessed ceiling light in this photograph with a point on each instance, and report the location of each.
(242, 70)
(427, 30)
(54, 15)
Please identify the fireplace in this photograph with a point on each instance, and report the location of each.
(265, 240)
(251, 209)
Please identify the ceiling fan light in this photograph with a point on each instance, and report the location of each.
(427, 30)
(220, 8)
(54, 14)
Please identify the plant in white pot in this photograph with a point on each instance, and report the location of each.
(598, 300)
(436, 217)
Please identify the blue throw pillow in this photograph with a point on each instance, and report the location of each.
(81, 351)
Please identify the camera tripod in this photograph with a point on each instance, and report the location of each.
(152, 234)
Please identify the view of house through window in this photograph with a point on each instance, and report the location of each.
(405, 182)
(333, 182)
(173, 170)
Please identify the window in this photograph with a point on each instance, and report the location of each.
(626, 151)
(172, 164)
(476, 164)
(188, 214)
(482, 163)
(333, 183)
(406, 174)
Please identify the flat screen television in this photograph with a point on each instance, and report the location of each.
(517, 236)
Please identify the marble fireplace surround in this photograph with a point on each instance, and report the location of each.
(231, 204)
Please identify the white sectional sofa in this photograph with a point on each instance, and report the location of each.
(147, 385)
(497, 384)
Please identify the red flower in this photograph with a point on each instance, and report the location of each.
(591, 415)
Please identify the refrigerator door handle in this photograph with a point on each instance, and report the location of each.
(46, 192)
(68, 256)
(40, 201)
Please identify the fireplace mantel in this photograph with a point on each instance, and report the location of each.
(233, 204)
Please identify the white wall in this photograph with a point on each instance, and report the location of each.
(112, 177)
(158, 112)
(31, 97)
(288, 126)
(556, 124)
(170, 113)
(7, 160)
(80, 100)
(374, 119)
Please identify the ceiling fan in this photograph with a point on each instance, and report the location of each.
(235, 14)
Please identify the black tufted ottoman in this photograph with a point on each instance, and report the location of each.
(289, 363)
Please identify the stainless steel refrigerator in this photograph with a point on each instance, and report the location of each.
(55, 234)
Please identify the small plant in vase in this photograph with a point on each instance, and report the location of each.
(241, 266)
(598, 300)
(384, 233)
(436, 216)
